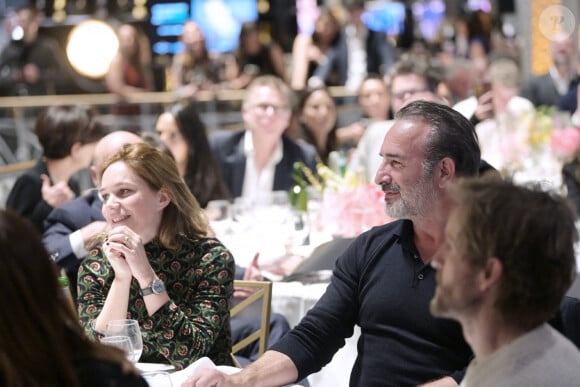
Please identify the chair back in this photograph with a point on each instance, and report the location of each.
(263, 292)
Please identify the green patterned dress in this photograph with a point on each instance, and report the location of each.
(195, 323)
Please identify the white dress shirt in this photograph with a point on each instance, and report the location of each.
(259, 184)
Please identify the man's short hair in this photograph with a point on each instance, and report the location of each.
(531, 232)
(269, 81)
(451, 135)
(416, 66)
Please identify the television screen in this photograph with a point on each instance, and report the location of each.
(221, 21)
(167, 20)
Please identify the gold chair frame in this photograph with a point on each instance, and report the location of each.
(263, 291)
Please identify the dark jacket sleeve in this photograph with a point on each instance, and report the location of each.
(26, 199)
(322, 332)
(56, 238)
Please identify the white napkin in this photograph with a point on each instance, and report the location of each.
(179, 377)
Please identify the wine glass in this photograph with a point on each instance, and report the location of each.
(298, 229)
(129, 328)
(121, 342)
(219, 213)
(157, 378)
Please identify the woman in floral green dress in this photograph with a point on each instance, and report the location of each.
(155, 264)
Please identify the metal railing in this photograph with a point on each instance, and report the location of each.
(220, 109)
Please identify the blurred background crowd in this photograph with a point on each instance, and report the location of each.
(492, 60)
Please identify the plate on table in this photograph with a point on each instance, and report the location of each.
(150, 367)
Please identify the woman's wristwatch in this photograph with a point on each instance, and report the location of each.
(157, 287)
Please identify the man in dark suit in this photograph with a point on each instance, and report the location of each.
(547, 88)
(260, 159)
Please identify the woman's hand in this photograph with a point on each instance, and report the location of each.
(124, 249)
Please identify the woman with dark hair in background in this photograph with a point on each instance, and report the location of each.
(130, 71)
(194, 68)
(183, 132)
(254, 58)
(41, 340)
(320, 58)
(318, 118)
(67, 135)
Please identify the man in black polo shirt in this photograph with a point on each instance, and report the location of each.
(384, 282)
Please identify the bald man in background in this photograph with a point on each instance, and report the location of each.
(69, 228)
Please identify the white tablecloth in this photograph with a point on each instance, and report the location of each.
(293, 300)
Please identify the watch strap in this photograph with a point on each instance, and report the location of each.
(150, 289)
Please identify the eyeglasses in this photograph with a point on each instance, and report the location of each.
(265, 107)
(407, 93)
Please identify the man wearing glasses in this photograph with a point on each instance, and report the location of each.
(258, 160)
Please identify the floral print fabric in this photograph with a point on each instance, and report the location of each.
(198, 278)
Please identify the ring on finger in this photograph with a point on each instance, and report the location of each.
(126, 238)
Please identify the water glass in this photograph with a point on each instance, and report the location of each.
(129, 328)
(218, 210)
(121, 342)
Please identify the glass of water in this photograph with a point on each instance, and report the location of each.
(129, 328)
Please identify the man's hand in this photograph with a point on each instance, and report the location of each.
(252, 273)
(350, 134)
(55, 194)
(443, 382)
(90, 230)
(484, 109)
(209, 377)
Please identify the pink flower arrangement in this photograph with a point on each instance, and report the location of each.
(351, 210)
(565, 141)
(348, 207)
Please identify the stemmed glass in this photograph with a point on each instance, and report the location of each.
(298, 229)
(121, 342)
(219, 213)
(129, 328)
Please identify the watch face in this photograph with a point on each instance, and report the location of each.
(157, 286)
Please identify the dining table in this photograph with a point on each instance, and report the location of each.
(294, 300)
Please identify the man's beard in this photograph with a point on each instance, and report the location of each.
(442, 304)
(412, 203)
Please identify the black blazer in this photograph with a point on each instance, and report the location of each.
(26, 195)
(63, 221)
(228, 147)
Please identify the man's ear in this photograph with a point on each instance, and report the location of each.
(164, 198)
(491, 273)
(75, 148)
(446, 169)
(94, 177)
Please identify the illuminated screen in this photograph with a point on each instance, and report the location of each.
(221, 20)
(167, 20)
(429, 15)
(385, 17)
